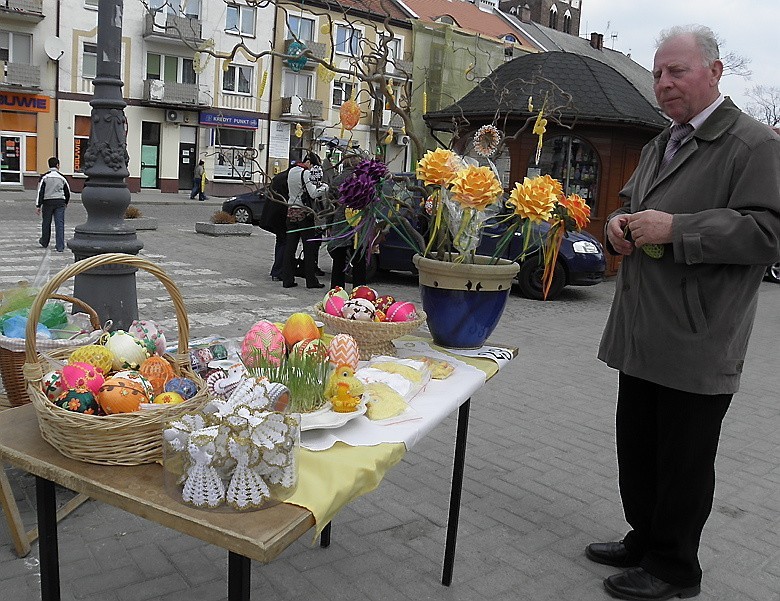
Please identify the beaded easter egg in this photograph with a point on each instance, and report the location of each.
(186, 387)
(158, 371)
(150, 334)
(365, 292)
(358, 309)
(96, 354)
(121, 395)
(82, 375)
(383, 303)
(299, 326)
(135, 376)
(343, 350)
(263, 344)
(52, 385)
(401, 311)
(334, 305)
(336, 291)
(168, 398)
(128, 351)
(79, 400)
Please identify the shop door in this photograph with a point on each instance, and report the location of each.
(150, 153)
(186, 165)
(10, 159)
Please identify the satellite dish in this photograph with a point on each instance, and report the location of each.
(54, 48)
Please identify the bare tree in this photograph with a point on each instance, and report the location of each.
(764, 104)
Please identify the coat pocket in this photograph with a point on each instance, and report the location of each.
(694, 311)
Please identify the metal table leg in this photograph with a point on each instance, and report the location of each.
(239, 572)
(47, 539)
(325, 536)
(455, 492)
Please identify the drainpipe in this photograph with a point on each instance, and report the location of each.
(271, 78)
(57, 87)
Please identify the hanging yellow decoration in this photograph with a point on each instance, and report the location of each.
(425, 102)
(325, 28)
(469, 69)
(389, 136)
(403, 130)
(390, 87)
(298, 130)
(530, 104)
(540, 127)
(324, 74)
(263, 81)
(226, 64)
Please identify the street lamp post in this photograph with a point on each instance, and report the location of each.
(111, 289)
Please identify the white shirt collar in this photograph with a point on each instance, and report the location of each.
(699, 119)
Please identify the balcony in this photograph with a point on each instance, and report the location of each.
(171, 93)
(21, 11)
(402, 68)
(20, 75)
(316, 49)
(301, 109)
(391, 119)
(163, 27)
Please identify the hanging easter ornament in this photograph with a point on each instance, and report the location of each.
(263, 82)
(325, 28)
(349, 114)
(296, 58)
(128, 351)
(324, 74)
(389, 136)
(298, 130)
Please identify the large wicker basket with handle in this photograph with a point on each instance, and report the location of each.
(119, 439)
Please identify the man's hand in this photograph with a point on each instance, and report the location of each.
(37, 210)
(650, 227)
(615, 228)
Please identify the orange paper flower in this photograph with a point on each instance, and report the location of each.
(438, 167)
(535, 198)
(578, 210)
(476, 187)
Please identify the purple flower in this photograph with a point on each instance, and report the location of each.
(374, 169)
(358, 191)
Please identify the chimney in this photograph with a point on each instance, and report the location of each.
(597, 41)
(525, 13)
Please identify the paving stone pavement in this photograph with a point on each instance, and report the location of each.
(540, 477)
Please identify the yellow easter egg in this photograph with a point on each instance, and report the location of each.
(94, 354)
(169, 398)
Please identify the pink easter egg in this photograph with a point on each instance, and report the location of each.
(401, 311)
(343, 350)
(263, 344)
(82, 375)
(334, 305)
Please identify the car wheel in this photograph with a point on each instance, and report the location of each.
(529, 279)
(242, 214)
(773, 273)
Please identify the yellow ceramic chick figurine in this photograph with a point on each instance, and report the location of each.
(343, 401)
(343, 373)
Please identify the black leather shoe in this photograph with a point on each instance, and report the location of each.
(318, 271)
(289, 284)
(275, 279)
(315, 285)
(612, 554)
(637, 584)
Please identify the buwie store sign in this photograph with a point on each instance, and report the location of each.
(220, 120)
(30, 103)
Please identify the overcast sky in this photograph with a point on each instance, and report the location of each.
(750, 28)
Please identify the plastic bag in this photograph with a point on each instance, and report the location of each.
(23, 295)
(53, 315)
(14, 328)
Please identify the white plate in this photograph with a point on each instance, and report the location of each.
(327, 418)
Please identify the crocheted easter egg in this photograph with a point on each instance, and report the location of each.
(383, 303)
(135, 376)
(186, 387)
(52, 385)
(168, 398)
(334, 305)
(121, 395)
(401, 311)
(82, 375)
(128, 351)
(364, 292)
(263, 344)
(96, 354)
(358, 309)
(343, 350)
(158, 371)
(278, 394)
(337, 291)
(222, 382)
(299, 326)
(150, 334)
(79, 400)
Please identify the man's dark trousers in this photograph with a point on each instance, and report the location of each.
(53, 209)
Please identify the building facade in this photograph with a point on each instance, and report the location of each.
(561, 15)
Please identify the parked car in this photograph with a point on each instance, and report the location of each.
(773, 273)
(246, 208)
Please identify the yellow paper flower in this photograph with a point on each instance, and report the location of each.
(438, 167)
(577, 209)
(476, 187)
(535, 198)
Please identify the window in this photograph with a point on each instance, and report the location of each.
(240, 20)
(342, 91)
(15, 47)
(238, 79)
(554, 17)
(297, 84)
(235, 151)
(92, 4)
(574, 163)
(567, 22)
(347, 40)
(301, 28)
(81, 130)
(175, 69)
(89, 61)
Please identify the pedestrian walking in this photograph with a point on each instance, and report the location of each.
(700, 222)
(52, 199)
(199, 182)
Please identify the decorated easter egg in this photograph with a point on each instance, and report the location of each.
(168, 398)
(380, 316)
(219, 351)
(150, 334)
(158, 371)
(401, 311)
(128, 351)
(336, 291)
(310, 348)
(52, 385)
(121, 395)
(349, 113)
(343, 350)
(263, 344)
(79, 400)
(299, 326)
(186, 387)
(383, 303)
(358, 309)
(334, 305)
(200, 359)
(278, 394)
(95, 354)
(365, 292)
(82, 375)
(135, 376)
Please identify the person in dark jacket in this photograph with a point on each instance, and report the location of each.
(52, 198)
(274, 219)
(199, 182)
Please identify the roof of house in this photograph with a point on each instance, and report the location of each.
(466, 16)
(598, 93)
(376, 8)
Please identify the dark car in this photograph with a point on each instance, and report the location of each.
(247, 207)
(773, 273)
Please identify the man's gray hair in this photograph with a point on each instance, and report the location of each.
(703, 36)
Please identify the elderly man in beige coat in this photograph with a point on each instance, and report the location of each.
(699, 223)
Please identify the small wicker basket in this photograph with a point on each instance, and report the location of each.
(373, 337)
(120, 439)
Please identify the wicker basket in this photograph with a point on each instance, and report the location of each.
(120, 439)
(12, 361)
(373, 337)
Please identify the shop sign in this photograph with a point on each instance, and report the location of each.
(31, 103)
(220, 120)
